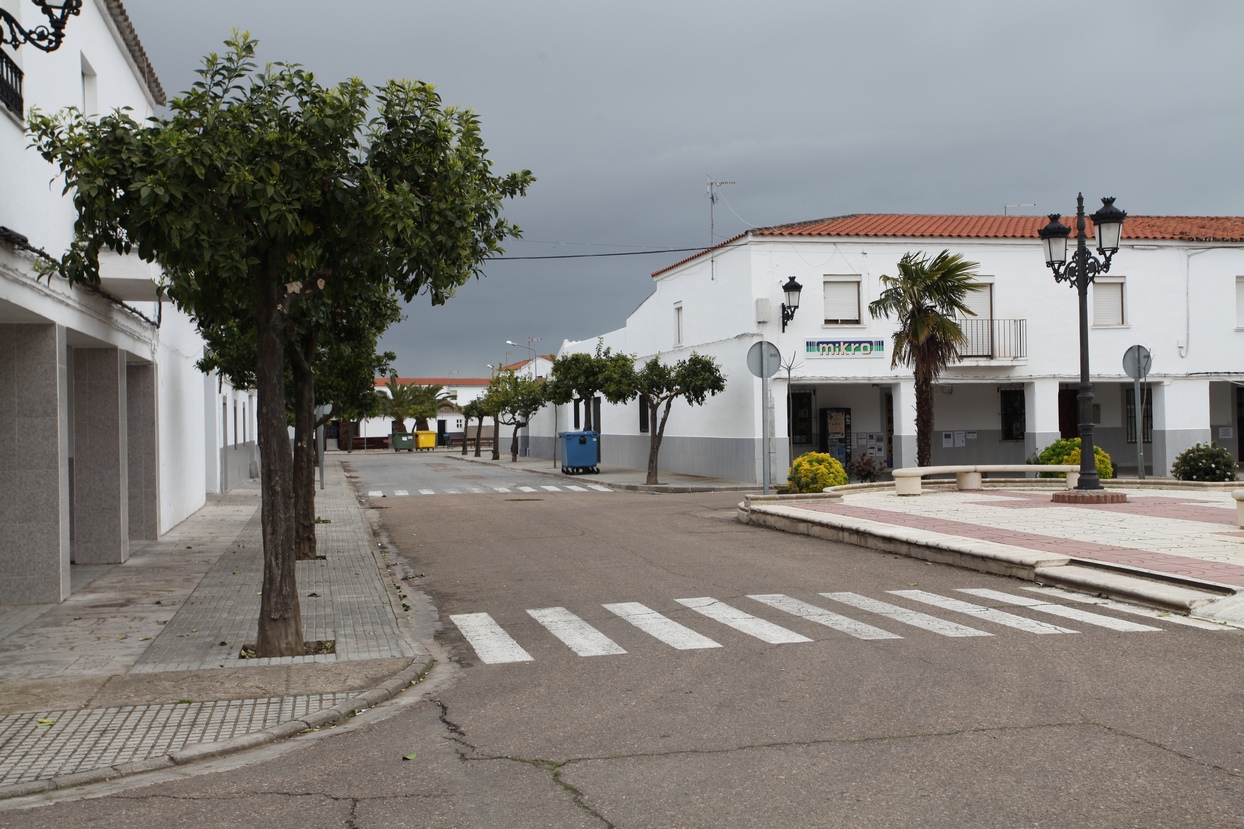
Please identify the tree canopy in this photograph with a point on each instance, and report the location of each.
(274, 203)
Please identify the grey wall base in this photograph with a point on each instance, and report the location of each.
(237, 464)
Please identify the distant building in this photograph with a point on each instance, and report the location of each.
(1176, 286)
(111, 434)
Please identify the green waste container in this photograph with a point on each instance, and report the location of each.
(402, 440)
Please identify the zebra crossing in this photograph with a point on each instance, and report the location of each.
(482, 490)
(494, 645)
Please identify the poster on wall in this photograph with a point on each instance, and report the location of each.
(948, 440)
(836, 424)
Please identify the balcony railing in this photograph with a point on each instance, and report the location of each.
(11, 86)
(990, 339)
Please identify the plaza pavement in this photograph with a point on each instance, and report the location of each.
(139, 669)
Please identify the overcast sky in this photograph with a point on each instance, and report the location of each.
(622, 110)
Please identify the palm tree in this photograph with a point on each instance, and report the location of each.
(399, 405)
(925, 298)
(427, 402)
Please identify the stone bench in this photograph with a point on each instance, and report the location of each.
(1238, 495)
(907, 480)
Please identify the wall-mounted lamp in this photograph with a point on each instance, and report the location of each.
(791, 289)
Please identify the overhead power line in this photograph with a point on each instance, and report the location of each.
(596, 255)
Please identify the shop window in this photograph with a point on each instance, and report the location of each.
(1014, 414)
(842, 300)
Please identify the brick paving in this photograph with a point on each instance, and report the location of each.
(1166, 532)
(186, 603)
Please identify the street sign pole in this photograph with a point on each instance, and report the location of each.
(1137, 361)
(763, 360)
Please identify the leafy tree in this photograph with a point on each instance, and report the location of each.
(925, 298)
(427, 402)
(514, 400)
(583, 376)
(658, 385)
(272, 203)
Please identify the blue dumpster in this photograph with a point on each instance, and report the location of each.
(580, 452)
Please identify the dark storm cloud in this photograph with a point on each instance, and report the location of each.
(815, 109)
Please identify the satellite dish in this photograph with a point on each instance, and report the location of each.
(769, 365)
(1137, 361)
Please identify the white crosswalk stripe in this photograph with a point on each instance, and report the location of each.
(821, 616)
(599, 488)
(574, 488)
(743, 622)
(989, 614)
(661, 627)
(501, 488)
(400, 492)
(375, 493)
(427, 492)
(550, 488)
(477, 490)
(577, 634)
(1073, 613)
(491, 643)
(907, 617)
(526, 489)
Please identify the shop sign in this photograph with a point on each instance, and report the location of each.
(845, 348)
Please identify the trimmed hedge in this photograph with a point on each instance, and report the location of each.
(814, 471)
(1067, 451)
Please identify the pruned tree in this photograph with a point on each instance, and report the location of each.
(583, 376)
(925, 299)
(658, 385)
(515, 399)
(473, 410)
(271, 202)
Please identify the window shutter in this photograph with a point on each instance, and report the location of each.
(842, 302)
(978, 329)
(1107, 303)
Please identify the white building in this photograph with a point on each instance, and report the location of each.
(112, 435)
(1176, 286)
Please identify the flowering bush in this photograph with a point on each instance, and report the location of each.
(1204, 463)
(814, 471)
(864, 469)
(1067, 451)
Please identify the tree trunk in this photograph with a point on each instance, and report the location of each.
(924, 417)
(479, 429)
(300, 361)
(654, 438)
(587, 414)
(466, 436)
(280, 620)
(496, 439)
(514, 442)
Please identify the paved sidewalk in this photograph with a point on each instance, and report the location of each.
(140, 667)
(1172, 547)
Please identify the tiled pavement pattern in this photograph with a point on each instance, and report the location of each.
(480, 490)
(342, 597)
(52, 743)
(1191, 534)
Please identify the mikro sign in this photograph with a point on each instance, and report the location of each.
(844, 348)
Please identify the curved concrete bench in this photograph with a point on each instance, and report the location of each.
(907, 480)
(1238, 495)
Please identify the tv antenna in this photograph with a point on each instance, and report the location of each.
(1005, 206)
(712, 200)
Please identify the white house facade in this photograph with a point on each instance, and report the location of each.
(1176, 287)
(112, 434)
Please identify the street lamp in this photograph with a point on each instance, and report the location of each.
(530, 348)
(47, 37)
(1079, 272)
(791, 289)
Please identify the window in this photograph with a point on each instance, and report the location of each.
(90, 88)
(678, 323)
(1108, 301)
(1239, 302)
(643, 413)
(1130, 405)
(842, 300)
(1014, 414)
(978, 329)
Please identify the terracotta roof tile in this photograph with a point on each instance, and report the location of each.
(933, 226)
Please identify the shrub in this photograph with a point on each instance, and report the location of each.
(1067, 451)
(864, 469)
(814, 471)
(1204, 463)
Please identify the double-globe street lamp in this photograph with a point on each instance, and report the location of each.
(1079, 273)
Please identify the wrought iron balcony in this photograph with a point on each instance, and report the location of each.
(991, 339)
(11, 86)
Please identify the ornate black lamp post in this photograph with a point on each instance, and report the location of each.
(1079, 272)
(47, 37)
(791, 291)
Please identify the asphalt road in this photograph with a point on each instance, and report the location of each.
(1096, 728)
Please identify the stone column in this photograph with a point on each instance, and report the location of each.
(904, 423)
(1180, 419)
(34, 464)
(143, 456)
(1041, 415)
(100, 480)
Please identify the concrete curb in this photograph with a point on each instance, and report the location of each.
(387, 689)
(1193, 597)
